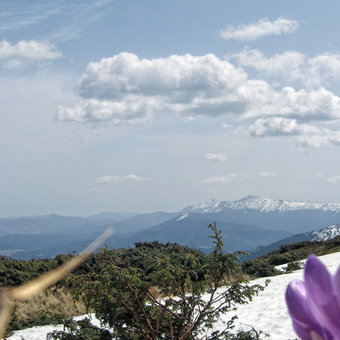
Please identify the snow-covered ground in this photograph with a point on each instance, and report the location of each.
(40, 332)
(267, 311)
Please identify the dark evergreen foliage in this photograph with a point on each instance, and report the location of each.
(156, 291)
(264, 265)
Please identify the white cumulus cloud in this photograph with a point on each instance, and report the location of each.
(288, 65)
(267, 174)
(217, 157)
(129, 110)
(276, 126)
(226, 178)
(323, 67)
(113, 179)
(217, 179)
(305, 105)
(28, 50)
(306, 135)
(292, 66)
(128, 89)
(260, 29)
(323, 138)
(333, 180)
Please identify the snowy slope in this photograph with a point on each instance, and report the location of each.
(40, 332)
(262, 204)
(267, 312)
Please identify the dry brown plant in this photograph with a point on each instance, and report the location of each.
(49, 306)
(28, 290)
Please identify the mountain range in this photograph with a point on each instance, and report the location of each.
(252, 222)
(322, 234)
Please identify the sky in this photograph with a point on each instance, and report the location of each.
(127, 105)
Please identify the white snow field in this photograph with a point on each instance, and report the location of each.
(267, 311)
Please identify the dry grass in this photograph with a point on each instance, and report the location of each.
(47, 307)
(47, 311)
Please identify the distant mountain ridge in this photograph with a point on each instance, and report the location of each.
(322, 234)
(252, 222)
(294, 217)
(192, 230)
(262, 204)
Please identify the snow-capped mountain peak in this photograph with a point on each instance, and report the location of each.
(262, 204)
(211, 206)
(326, 233)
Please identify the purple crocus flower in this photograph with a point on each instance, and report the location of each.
(314, 304)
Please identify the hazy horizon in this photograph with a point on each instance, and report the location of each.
(131, 211)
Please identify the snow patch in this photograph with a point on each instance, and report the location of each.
(182, 217)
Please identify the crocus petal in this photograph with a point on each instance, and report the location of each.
(336, 284)
(304, 321)
(319, 288)
(314, 304)
(298, 305)
(303, 332)
(318, 281)
(316, 336)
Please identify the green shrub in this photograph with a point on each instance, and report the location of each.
(277, 259)
(259, 269)
(292, 266)
(160, 295)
